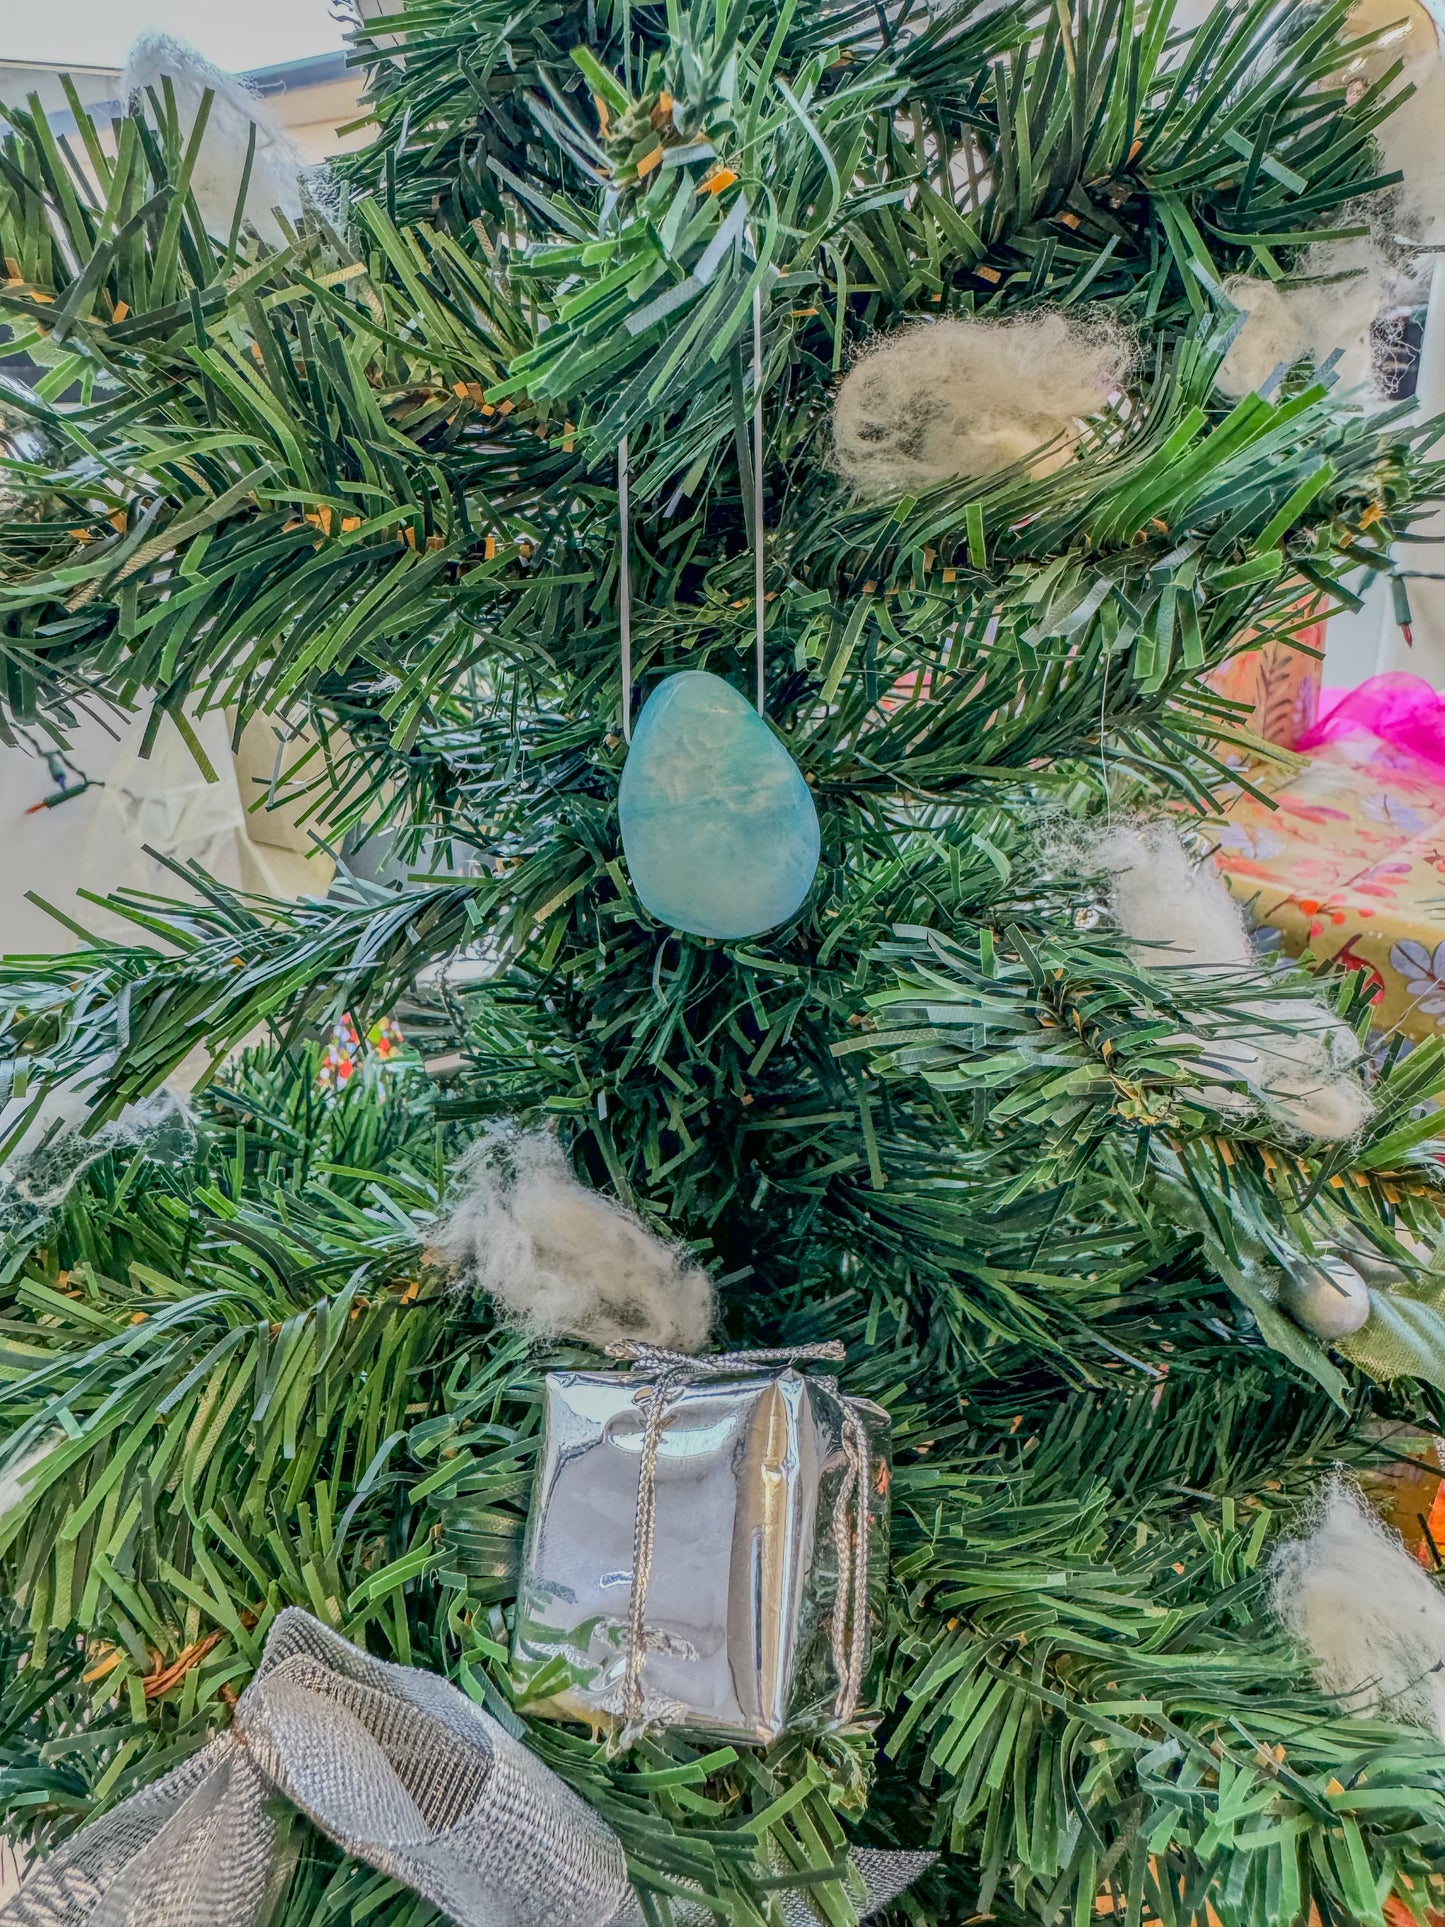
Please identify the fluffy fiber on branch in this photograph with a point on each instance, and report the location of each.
(1300, 1061)
(939, 400)
(1311, 320)
(1372, 1622)
(563, 1261)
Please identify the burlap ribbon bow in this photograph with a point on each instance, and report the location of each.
(399, 1769)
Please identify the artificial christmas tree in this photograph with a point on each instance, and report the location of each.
(1056, 1193)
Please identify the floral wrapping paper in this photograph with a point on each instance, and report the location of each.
(1280, 683)
(1350, 863)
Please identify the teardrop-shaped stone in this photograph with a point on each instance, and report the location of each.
(718, 826)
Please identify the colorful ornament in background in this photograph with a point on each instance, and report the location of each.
(344, 1054)
(718, 826)
(1396, 717)
(341, 1055)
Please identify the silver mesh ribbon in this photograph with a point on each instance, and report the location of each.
(399, 1769)
(883, 1876)
(391, 1762)
(876, 1876)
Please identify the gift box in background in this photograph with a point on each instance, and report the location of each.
(1407, 1487)
(1347, 856)
(1280, 682)
(752, 1500)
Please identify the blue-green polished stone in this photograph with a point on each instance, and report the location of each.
(718, 827)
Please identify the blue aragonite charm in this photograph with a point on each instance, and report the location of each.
(718, 827)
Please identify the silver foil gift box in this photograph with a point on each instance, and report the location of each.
(707, 1547)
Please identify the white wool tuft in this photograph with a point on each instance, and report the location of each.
(1300, 1061)
(15, 1482)
(1306, 1065)
(1275, 329)
(1168, 904)
(278, 172)
(52, 1157)
(563, 1260)
(1309, 321)
(942, 399)
(1370, 1618)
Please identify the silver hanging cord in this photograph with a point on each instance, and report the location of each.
(850, 1544)
(673, 1373)
(759, 541)
(624, 532)
(624, 587)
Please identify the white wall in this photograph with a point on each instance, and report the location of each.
(46, 851)
(1370, 642)
(43, 851)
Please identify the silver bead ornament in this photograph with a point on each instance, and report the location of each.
(1327, 1297)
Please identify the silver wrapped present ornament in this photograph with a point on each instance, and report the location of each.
(707, 1547)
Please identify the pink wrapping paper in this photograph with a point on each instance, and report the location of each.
(1403, 713)
(1350, 861)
